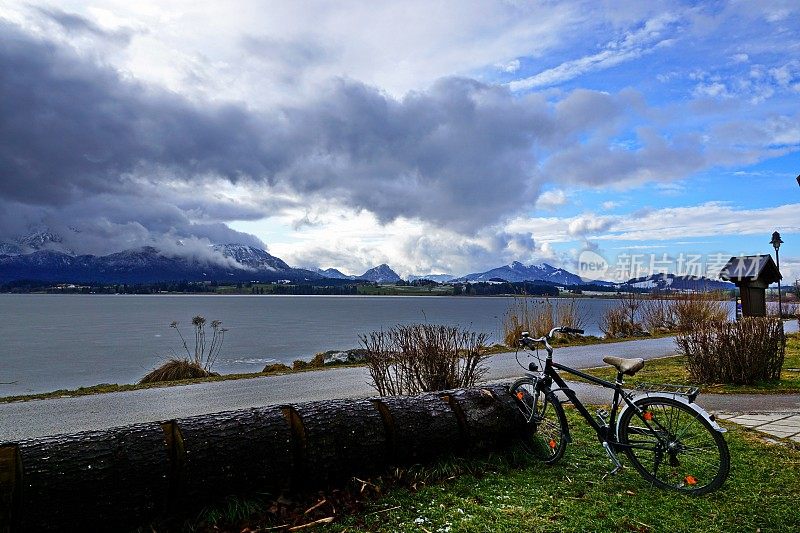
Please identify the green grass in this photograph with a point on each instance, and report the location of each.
(673, 370)
(105, 388)
(762, 492)
(405, 290)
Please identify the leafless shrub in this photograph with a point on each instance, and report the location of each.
(408, 360)
(741, 353)
(789, 310)
(568, 314)
(527, 314)
(658, 315)
(623, 319)
(695, 309)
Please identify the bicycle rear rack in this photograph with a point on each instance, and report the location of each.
(668, 388)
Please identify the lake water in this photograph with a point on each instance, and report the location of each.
(48, 342)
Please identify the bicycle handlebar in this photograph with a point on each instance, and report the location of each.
(525, 338)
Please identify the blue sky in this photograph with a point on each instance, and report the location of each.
(445, 136)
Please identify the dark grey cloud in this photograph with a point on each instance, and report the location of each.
(73, 129)
(81, 143)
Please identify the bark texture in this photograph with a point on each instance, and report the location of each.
(233, 453)
(101, 481)
(338, 439)
(487, 415)
(419, 427)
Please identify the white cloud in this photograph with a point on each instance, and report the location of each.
(631, 45)
(550, 200)
(509, 67)
(703, 220)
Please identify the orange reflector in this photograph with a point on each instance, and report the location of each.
(690, 480)
(520, 395)
(648, 416)
(552, 444)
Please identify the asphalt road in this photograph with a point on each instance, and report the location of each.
(21, 420)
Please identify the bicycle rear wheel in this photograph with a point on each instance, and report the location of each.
(545, 434)
(674, 447)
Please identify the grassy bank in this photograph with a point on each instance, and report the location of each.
(104, 388)
(511, 493)
(673, 370)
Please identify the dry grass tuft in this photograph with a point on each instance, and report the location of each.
(176, 370)
(538, 316)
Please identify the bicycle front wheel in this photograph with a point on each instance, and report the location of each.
(673, 446)
(545, 434)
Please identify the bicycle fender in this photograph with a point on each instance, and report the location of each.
(693, 406)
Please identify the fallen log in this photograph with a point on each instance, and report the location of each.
(118, 478)
(336, 439)
(419, 428)
(99, 480)
(235, 452)
(488, 416)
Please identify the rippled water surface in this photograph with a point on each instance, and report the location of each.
(49, 342)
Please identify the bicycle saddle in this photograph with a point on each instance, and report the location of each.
(626, 366)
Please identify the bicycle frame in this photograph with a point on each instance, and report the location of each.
(606, 433)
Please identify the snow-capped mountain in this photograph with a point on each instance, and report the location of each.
(33, 242)
(380, 274)
(438, 278)
(333, 273)
(149, 265)
(516, 272)
(10, 248)
(251, 257)
(671, 282)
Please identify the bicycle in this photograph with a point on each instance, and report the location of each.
(671, 441)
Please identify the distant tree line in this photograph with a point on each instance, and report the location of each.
(494, 289)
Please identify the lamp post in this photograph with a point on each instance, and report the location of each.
(776, 243)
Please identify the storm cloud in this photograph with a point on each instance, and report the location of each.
(83, 146)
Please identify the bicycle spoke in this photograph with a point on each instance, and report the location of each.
(678, 449)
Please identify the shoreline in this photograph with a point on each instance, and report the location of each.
(107, 388)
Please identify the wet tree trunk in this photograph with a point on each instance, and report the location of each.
(111, 480)
(337, 439)
(232, 453)
(93, 480)
(419, 427)
(488, 416)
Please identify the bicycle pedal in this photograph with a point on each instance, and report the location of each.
(602, 416)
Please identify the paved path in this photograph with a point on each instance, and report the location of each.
(22, 420)
(777, 424)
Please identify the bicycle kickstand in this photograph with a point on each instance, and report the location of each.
(614, 459)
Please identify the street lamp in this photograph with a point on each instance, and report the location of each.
(776, 243)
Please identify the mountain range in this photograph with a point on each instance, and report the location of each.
(516, 272)
(149, 265)
(41, 256)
